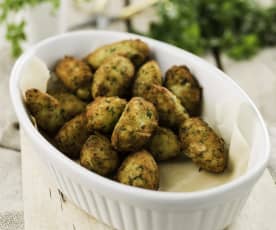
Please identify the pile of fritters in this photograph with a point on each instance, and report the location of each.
(115, 112)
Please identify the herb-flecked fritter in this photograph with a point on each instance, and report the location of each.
(72, 136)
(171, 112)
(140, 170)
(98, 155)
(70, 104)
(73, 73)
(135, 126)
(103, 113)
(180, 81)
(164, 144)
(135, 50)
(200, 143)
(113, 77)
(114, 106)
(84, 92)
(46, 110)
(147, 75)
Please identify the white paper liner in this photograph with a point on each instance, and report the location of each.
(179, 176)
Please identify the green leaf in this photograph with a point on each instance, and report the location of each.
(237, 27)
(15, 34)
(245, 48)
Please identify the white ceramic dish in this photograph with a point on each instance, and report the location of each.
(125, 207)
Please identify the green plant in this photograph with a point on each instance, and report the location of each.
(237, 27)
(267, 33)
(15, 34)
(15, 30)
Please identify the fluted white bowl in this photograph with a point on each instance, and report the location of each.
(125, 207)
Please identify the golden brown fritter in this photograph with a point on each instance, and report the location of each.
(180, 81)
(46, 110)
(135, 126)
(135, 50)
(72, 136)
(164, 144)
(84, 92)
(73, 73)
(148, 121)
(98, 156)
(70, 104)
(140, 170)
(200, 143)
(171, 112)
(147, 75)
(113, 77)
(103, 113)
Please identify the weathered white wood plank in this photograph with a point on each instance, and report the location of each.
(45, 209)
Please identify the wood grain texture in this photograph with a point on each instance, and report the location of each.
(46, 208)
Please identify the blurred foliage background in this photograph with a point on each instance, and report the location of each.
(238, 28)
(15, 29)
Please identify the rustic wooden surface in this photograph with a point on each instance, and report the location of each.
(46, 208)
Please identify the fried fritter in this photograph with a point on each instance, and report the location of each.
(171, 112)
(103, 113)
(72, 136)
(46, 110)
(98, 155)
(136, 50)
(164, 144)
(70, 104)
(140, 170)
(200, 143)
(147, 75)
(135, 126)
(73, 73)
(180, 81)
(113, 77)
(84, 92)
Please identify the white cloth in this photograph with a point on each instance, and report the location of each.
(12, 220)
(11, 205)
(10, 183)
(9, 135)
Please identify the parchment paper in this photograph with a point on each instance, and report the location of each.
(179, 175)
